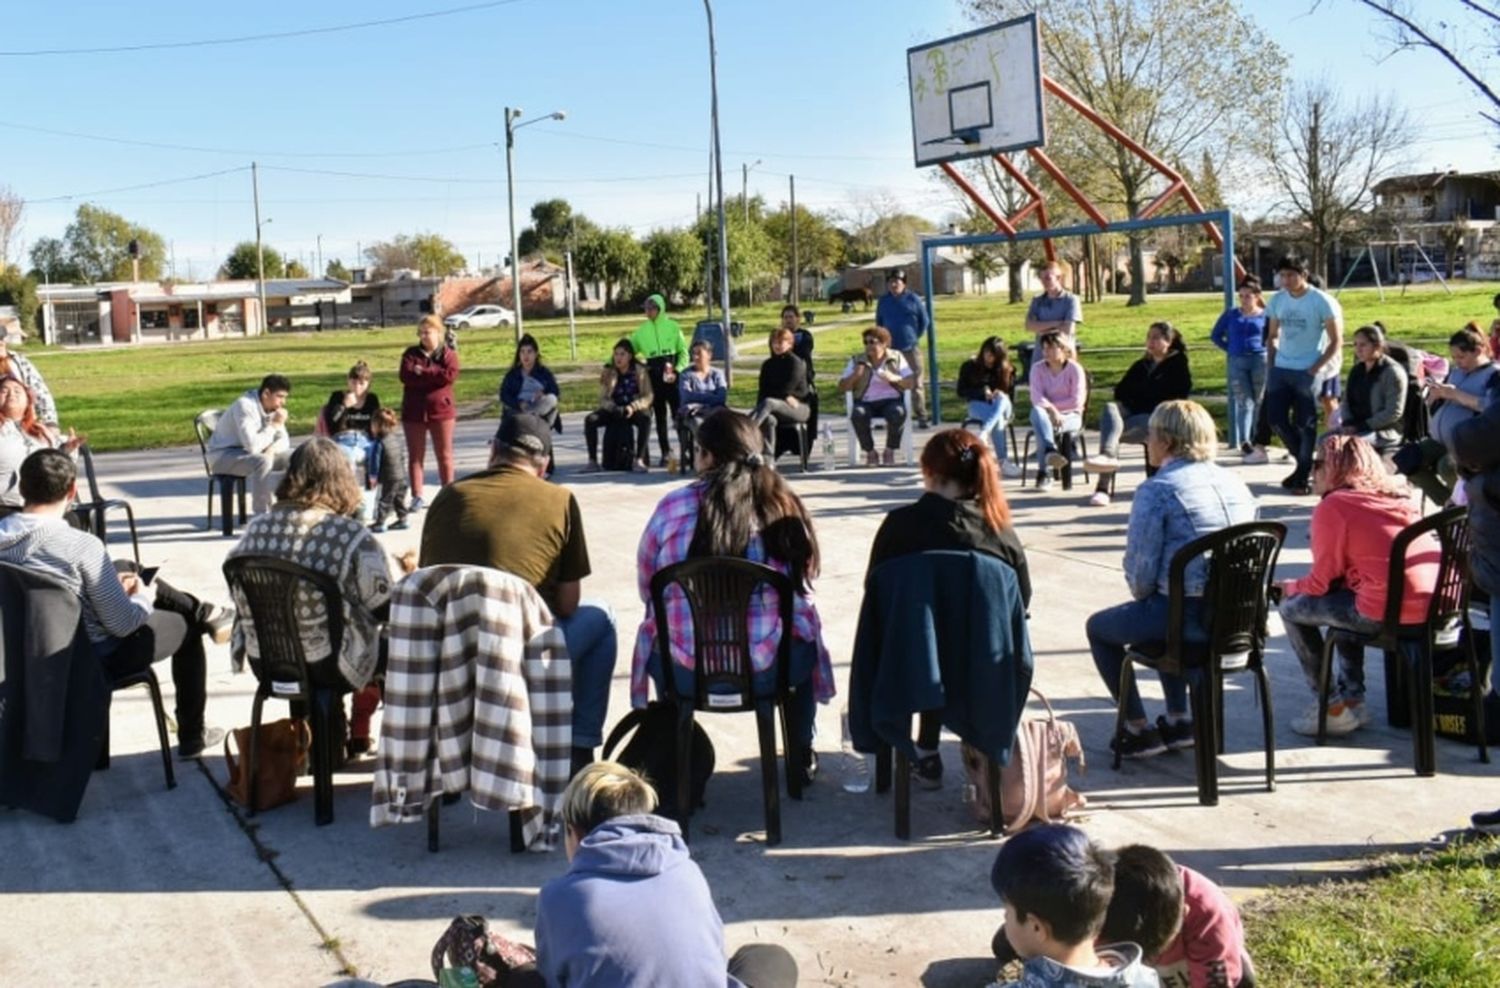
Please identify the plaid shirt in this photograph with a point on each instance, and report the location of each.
(478, 696)
(664, 542)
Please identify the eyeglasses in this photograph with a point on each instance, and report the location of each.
(871, 339)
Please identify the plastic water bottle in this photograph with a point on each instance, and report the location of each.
(856, 764)
(830, 449)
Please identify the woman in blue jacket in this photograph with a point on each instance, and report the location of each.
(530, 387)
(1241, 334)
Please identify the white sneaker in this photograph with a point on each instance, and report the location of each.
(1256, 456)
(1009, 469)
(1045, 482)
(1341, 721)
(1361, 711)
(1101, 464)
(1056, 460)
(1099, 499)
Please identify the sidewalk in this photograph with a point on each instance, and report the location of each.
(151, 887)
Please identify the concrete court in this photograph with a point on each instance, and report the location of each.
(178, 888)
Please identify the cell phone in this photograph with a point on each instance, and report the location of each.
(148, 573)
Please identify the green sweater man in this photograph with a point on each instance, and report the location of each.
(659, 341)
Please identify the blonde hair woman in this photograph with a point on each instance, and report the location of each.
(428, 371)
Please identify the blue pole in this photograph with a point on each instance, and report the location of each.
(932, 389)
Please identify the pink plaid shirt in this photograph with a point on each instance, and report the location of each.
(664, 542)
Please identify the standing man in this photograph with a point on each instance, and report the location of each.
(251, 439)
(660, 341)
(1055, 310)
(905, 317)
(507, 517)
(1304, 334)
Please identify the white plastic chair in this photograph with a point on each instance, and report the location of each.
(908, 456)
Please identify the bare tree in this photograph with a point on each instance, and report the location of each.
(12, 207)
(1007, 196)
(1327, 156)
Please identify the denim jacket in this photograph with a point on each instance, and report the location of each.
(1186, 499)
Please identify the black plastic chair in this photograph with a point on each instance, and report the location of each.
(1074, 444)
(147, 678)
(1409, 676)
(1242, 559)
(266, 590)
(719, 590)
(797, 436)
(93, 512)
(227, 483)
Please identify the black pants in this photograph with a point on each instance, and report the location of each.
(664, 397)
(757, 965)
(174, 629)
(599, 418)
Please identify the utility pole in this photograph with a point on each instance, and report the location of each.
(510, 198)
(1314, 180)
(572, 326)
(320, 256)
(713, 87)
(260, 252)
(796, 266)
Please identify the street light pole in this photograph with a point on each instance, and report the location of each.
(745, 199)
(713, 80)
(260, 253)
(511, 116)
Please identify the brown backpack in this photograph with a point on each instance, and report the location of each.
(1034, 784)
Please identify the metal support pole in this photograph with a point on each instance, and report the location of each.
(932, 388)
(572, 325)
(713, 85)
(796, 266)
(510, 199)
(260, 257)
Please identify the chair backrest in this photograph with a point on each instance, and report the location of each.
(204, 425)
(1242, 559)
(270, 588)
(87, 456)
(719, 590)
(1450, 595)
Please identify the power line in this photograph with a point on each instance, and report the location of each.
(269, 36)
(574, 135)
(474, 181)
(242, 152)
(143, 185)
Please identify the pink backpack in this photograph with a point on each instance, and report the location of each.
(1034, 784)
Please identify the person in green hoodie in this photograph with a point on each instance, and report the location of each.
(660, 341)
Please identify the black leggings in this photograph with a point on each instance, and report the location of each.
(175, 628)
(664, 396)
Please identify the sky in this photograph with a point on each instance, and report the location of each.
(366, 133)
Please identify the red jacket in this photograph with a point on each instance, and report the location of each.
(1210, 948)
(428, 383)
(1352, 532)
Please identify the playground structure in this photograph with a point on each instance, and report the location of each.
(1410, 256)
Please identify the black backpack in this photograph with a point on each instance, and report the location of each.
(652, 752)
(619, 445)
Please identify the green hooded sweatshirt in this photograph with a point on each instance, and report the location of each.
(660, 337)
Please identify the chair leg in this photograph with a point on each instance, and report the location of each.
(226, 505)
(102, 762)
(433, 804)
(1127, 680)
(997, 805)
(1476, 694)
(1267, 722)
(517, 833)
(903, 796)
(883, 768)
(1325, 685)
(1216, 680)
(684, 766)
(322, 755)
(135, 542)
(1205, 735)
(1424, 745)
(158, 709)
(1397, 691)
(208, 521)
(244, 516)
(1025, 457)
(255, 708)
(770, 786)
(795, 756)
(804, 444)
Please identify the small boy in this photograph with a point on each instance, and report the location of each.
(1056, 886)
(1187, 928)
(389, 470)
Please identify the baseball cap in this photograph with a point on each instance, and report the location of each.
(524, 432)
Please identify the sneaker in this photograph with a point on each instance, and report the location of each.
(1143, 745)
(358, 748)
(1009, 470)
(591, 467)
(809, 768)
(218, 623)
(209, 737)
(1099, 499)
(1044, 482)
(1256, 456)
(1341, 721)
(928, 771)
(1101, 464)
(378, 528)
(401, 525)
(1486, 823)
(640, 466)
(888, 457)
(1246, 449)
(1175, 734)
(1361, 711)
(1056, 460)
(416, 504)
(872, 458)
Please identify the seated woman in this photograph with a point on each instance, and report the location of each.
(630, 880)
(624, 393)
(529, 386)
(1375, 400)
(23, 433)
(963, 509)
(876, 378)
(1161, 375)
(1189, 496)
(1362, 510)
(701, 388)
(348, 414)
(738, 506)
(987, 381)
(1472, 383)
(1059, 392)
(312, 524)
(781, 397)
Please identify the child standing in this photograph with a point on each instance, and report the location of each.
(388, 470)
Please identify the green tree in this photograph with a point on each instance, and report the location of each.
(1176, 75)
(749, 247)
(50, 262)
(241, 262)
(296, 269)
(554, 229)
(820, 248)
(674, 262)
(612, 256)
(429, 254)
(1008, 197)
(337, 270)
(877, 225)
(19, 290)
(96, 247)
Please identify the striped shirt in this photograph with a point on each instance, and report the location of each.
(76, 559)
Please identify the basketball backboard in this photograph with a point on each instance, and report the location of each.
(977, 93)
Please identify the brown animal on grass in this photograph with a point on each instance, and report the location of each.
(851, 295)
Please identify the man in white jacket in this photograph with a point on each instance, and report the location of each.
(251, 439)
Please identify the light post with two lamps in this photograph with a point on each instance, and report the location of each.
(512, 114)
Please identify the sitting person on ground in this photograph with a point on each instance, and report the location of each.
(876, 379)
(963, 509)
(388, 472)
(1161, 375)
(1056, 886)
(1189, 496)
(701, 388)
(1362, 508)
(507, 517)
(987, 381)
(1472, 383)
(23, 432)
(1375, 401)
(1059, 392)
(251, 439)
(312, 524)
(624, 395)
(782, 395)
(634, 910)
(349, 413)
(529, 386)
(740, 507)
(12, 364)
(131, 622)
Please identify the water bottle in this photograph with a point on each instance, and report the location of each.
(830, 450)
(856, 764)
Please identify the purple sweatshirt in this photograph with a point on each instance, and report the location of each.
(1065, 389)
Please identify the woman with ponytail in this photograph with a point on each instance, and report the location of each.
(738, 506)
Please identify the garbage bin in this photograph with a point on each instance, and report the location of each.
(713, 334)
(808, 316)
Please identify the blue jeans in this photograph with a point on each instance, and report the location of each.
(593, 646)
(1115, 426)
(1046, 436)
(995, 414)
(1247, 386)
(1304, 615)
(1111, 629)
(801, 712)
(1292, 408)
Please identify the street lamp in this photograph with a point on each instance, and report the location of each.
(511, 116)
(718, 160)
(745, 199)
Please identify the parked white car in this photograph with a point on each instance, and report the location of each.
(481, 316)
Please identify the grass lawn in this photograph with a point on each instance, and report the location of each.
(145, 396)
